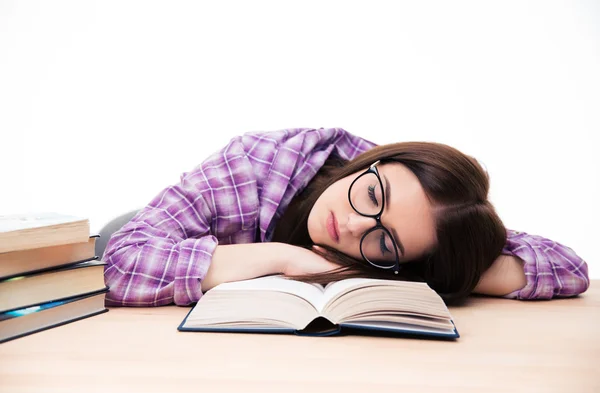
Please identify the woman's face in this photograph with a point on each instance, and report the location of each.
(407, 215)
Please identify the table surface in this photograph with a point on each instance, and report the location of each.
(505, 346)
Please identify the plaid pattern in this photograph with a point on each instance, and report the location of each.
(552, 270)
(237, 194)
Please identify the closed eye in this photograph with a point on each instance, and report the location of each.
(372, 195)
(382, 244)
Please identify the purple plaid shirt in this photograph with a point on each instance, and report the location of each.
(238, 193)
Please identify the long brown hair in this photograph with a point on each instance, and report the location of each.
(470, 235)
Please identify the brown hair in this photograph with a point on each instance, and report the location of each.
(470, 235)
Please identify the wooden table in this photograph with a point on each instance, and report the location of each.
(505, 346)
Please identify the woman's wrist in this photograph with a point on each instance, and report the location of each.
(285, 257)
(236, 262)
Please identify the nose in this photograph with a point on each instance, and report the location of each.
(358, 225)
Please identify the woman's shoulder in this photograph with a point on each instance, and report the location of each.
(307, 140)
(256, 153)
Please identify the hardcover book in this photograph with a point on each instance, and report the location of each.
(275, 304)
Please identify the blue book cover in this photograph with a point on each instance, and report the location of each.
(33, 319)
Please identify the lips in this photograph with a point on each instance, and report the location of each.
(332, 228)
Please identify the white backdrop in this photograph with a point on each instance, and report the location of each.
(104, 103)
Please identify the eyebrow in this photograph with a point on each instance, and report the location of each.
(394, 233)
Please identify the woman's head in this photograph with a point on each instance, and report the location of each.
(436, 208)
(342, 216)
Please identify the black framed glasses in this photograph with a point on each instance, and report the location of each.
(367, 198)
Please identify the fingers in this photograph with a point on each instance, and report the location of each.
(319, 249)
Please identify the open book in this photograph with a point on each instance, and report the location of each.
(357, 305)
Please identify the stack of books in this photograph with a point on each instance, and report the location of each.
(49, 273)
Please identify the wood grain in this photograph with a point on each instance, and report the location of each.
(505, 346)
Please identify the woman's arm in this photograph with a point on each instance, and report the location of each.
(533, 267)
(236, 262)
(161, 255)
(165, 252)
(506, 275)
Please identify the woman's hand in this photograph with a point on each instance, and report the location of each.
(301, 261)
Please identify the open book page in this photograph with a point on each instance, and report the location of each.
(311, 293)
(337, 288)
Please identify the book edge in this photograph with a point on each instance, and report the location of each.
(183, 328)
(55, 325)
(69, 266)
(402, 332)
(82, 295)
(340, 330)
(27, 233)
(62, 266)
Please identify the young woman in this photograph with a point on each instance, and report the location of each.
(321, 205)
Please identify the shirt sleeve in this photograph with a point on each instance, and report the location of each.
(552, 269)
(162, 255)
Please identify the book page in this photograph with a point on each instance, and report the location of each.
(15, 222)
(309, 292)
(334, 288)
(341, 286)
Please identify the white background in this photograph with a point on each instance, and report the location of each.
(104, 103)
